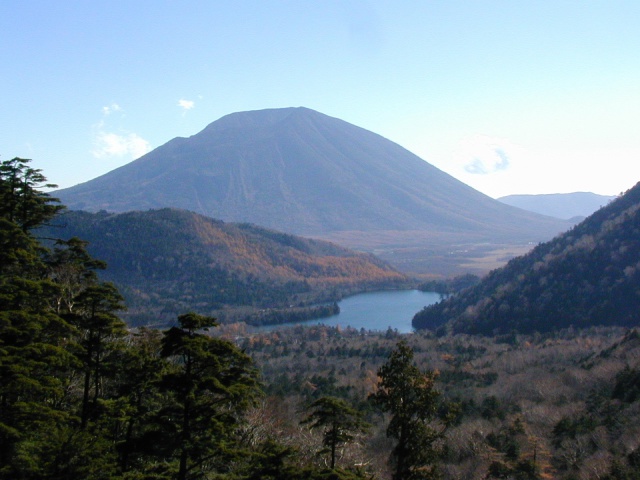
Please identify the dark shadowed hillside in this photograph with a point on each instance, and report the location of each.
(587, 276)
(302, 172)
(169, 261)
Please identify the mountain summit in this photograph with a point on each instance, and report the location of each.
(303, 172)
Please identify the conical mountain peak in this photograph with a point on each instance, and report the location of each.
(303, 172)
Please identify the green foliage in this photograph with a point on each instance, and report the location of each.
(505, 442)
(570, 428)
(211, 383)
(627, 385)
(82, 396)
(99, 331)
(21, 201)
(79, 396)
(450, 286)
(33, 357)
(340, 423)
(584, 277)
(169, 261)
(273, 461)
(277, 316)
(523, 470)
(410, 397)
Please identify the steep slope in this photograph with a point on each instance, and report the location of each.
(559, 205)
(587, 276)
(302, 172)
(169, 261)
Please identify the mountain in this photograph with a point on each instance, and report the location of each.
(167, 262)
(302, 172)
(588, 276)
(560, 205)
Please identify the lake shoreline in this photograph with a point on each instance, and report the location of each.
(372, 311)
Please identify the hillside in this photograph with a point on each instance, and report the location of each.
(554, 406)
(170, 261)
(86, 397)
(299, 171)
(587, 276)
(559, 205)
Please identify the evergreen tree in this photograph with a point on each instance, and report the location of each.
(99, 331)
(210, 385)
(21, 200)
(340, 423)
(56, 322)
(410, 397)
(34, 363)
(140, 368)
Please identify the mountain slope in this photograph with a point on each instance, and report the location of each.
(587, 276)
(299, 171)
(559, 205)
(169, 261)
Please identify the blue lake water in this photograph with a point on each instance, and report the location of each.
(378, 310)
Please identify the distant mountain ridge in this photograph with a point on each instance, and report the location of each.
(587, 276)
(560, 205)
(170, 261)
(299, 171)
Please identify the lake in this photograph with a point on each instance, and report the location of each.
(377, 310)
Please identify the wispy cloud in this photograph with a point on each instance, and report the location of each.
(482, 155)
(108, 143)
(109, 109)
(490, 162)
(186, 104)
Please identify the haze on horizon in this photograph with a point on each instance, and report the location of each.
(510, 98)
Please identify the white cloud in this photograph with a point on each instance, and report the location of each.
(483, 155)
(109, 109)
(186, 104)
(109, 144)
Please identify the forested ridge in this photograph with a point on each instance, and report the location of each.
(168, 261)
(587, 276)
(84, 396)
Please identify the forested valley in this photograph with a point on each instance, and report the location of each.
(85, 396)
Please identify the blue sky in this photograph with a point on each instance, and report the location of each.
(508, 96)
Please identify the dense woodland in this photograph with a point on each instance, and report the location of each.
(84, 396)
(168, 261)
(562, 405)
(586, 276)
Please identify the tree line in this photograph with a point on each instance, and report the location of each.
(83, 396)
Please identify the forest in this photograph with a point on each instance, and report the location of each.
(167, 261)
(83, 395)
(587, 276)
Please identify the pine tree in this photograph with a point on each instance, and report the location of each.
(210, 385)
(410, 397)
(21, 200)
(33, 357)
(57, 321)
(340, 423)
(140, 368)
(99, 332)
